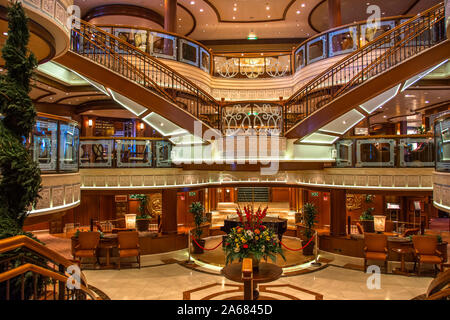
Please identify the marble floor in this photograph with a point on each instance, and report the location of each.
(164, 281)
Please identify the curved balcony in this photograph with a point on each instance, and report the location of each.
(50, 35)
(441, 177)
(54, 145)
(257, 65)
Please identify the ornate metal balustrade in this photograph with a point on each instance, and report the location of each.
(258, 118)
(385, 52)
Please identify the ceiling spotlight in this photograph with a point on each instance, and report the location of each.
(427, 101)
(268, 16)
(201, 10)
(192, 2)
(162, 124)
(297, 12)
(5, 33)
(234, 9)
(267, 8)
(303, 5)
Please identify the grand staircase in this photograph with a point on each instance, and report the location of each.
(391, 59)
(31, 271)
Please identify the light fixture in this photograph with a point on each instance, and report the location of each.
(141, 126)
(5, 33)
(201, 10)
(297, 12)
(162, 124)
(303, 5)
(252, 36)
(130, 221)
(379, 223)
(267, 8)
(192, 2)
(427, 101)
(90, 122)
(235, 9)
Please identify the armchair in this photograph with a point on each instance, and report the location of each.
(129, 245)
(87, 245)
(375, 248)
(425, 249)
(410, 232)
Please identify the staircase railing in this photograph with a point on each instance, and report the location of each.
(134, 64)
(385, 52)
(21, 255)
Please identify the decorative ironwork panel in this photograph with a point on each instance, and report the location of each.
(134, 153)
(375, 153)
(257, 118)
(96, 153)
(416, 152)
(44, 144)
(69, 139)
(344, 153)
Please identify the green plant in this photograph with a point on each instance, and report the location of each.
(20, 180)
(421, 130)
(439, 238)
(143, 209)
(196, 208)
(309, 219)
(367, 214)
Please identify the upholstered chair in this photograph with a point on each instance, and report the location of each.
(410, 232)
(129, 245)
(360, 228)
(425, 249)
(87, 245)
(375, 248)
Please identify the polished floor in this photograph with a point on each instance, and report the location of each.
(162, 280)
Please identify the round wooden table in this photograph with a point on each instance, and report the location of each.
(402, 251)
(267, 272)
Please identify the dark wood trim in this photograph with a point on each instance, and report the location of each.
(57, 85)
(258, 41)
(193, 19)
(411, 7)
(310, 16)
(370, 89)
(125, 10)
(98, 94)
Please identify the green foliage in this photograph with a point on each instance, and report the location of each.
(143, 209)
(367, 214)
(196, 208)
(20, 176)
(439, 238)
(309, 219)
(20, 181)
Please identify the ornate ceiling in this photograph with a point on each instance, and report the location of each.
(269, 19)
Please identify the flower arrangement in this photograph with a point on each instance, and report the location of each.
(251, 239)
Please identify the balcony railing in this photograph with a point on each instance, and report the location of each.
(54, 144)
(442, 142)
(407, 151)
(107, 152)
(328, 44)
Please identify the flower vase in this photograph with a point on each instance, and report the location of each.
(255, 262)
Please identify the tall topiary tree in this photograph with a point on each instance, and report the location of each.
(20, 178)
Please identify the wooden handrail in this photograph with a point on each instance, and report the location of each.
(28, 267)
(353, 54)
(156, 61)
(12, 243)
(123, 138)
(391, 136)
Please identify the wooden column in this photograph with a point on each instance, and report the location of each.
(169, 211)
(334, 13)
(170, 15)
(338, 212)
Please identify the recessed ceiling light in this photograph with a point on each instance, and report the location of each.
(162, 124)
(192, 2)
(427, 101)
(234, 17)
(5, 33)
(303, 5)
(234, 9)
(201, 10)
(384, 117)
(268, 16)
(297, 12)
(267, 8)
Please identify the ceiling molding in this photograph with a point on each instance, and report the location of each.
(258, 41)
(80, 96)
(125, 10)
(193, 19)
(219, 18)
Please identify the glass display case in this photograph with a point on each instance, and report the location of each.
(55, 144)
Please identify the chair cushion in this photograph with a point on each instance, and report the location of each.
(425, 258)
(85, 253)
(376, 256)
(128, 252)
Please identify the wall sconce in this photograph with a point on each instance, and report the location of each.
(379, 223)
(141, 126)
(130, 221)
(90, 122)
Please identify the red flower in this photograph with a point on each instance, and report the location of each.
(245, 246)
(227, 244)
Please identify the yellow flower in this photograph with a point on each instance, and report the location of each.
(267, 238)
(237, 240)
(244, 241)
(256, 238)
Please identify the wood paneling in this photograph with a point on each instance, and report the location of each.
(280, 194)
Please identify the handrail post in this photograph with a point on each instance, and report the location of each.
(316, 263)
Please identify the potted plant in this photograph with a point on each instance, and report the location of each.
(196, 208)
(366, 217)
(309, 219)
(143, 218)
(251, 239)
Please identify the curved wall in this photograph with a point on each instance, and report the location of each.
(51, 15)
(441, 191)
